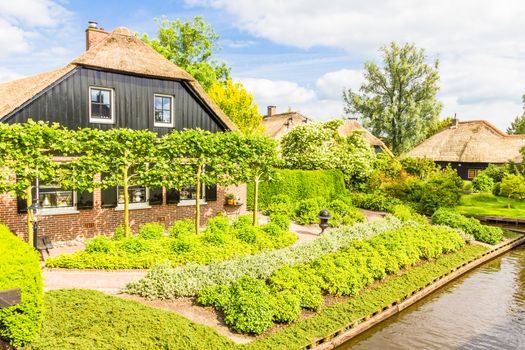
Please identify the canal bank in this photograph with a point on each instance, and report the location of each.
(362, 324)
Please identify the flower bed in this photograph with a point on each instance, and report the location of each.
(220, 241)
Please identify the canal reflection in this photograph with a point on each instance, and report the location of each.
(484, 309)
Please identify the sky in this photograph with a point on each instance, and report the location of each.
(300, 54)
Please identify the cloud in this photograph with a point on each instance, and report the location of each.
(237, 44)
(7, 74)
(478, 42)
(333, 83)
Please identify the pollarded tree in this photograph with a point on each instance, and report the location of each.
(124, 157)
(190, 45)
(397, 101)
(27, 150)
(238, 105)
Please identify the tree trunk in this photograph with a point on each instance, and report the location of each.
(126, 201)
(255, 199)
(508, 202)
(29, 202)
(197, 201)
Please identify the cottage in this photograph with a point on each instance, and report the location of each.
(276, 125)
(118, 82)
(470, 146)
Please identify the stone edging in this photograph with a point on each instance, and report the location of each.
(360, 325)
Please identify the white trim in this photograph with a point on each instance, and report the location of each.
(58, 211)
(133, 206)
(165, 125)
(111, 106)
(190, 202)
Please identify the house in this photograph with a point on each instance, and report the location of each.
(277, 125)
(470, 146)
(118, 82)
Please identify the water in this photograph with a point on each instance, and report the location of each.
(484, 309)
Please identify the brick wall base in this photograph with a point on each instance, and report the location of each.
(91, 222)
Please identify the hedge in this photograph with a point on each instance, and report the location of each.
(20, 268)
(299, 185)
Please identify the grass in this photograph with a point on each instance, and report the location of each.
(82, 319)
(490, 205)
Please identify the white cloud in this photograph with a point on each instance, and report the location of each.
(7, 74)
(479, 43)
(332, 84)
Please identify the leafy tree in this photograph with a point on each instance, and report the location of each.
(420, 167)
(518, 125)
(513, 186)
(238, 105)
(438, 126)
(27, 150)
(398, 100)
(190, 45)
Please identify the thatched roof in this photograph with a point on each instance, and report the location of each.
(474, 141)
(278, 125)
(120, 51)
(351, 126)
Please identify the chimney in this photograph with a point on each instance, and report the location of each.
(94, 34)
(455, 122)
(271, 111)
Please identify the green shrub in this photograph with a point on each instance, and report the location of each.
(151, 230)
(182, 227)
(406, 213)
(99, 244)
(219, 224)
(299, 185)
(216, 296)
(495, 172)
(272, 229)
(119, 232)
(375, 201)
(302, 282)
(183, 244)
(214, 237)
(482, 233)
(344, 214)
(247, 234)
(420, 167)
(20, 268)
(286, 307)
(442, 189)
(243, 221)
(307, 210)
(482, 183)
(134, 245)
(278, 209)
(280, 220)
(250, 309)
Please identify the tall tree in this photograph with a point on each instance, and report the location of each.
(191, 46)
(397, 101)
(518, 125)
(238, 105)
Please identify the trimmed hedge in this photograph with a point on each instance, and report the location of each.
(471, 226)
(20, 268)
(299, 185)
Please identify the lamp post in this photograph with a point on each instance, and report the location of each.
(34, 208)
(323, 216)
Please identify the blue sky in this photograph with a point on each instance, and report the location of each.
(300, 54)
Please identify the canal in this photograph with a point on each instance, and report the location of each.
(484, 309)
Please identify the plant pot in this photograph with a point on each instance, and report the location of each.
(230, 201)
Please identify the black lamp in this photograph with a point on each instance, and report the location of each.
(324, 216)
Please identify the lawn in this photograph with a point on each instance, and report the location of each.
(82, 319)
(490, 205)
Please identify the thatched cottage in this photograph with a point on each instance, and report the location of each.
(277, 125)
(118, 82)
(470, 146)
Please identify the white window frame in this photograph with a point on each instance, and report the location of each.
(172, 112)
(111, 106)
(133, 206)
(188, 202)
(60, 210)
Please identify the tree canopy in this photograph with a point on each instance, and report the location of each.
(397, 101)
(238, 105)
(191, 46)
(518, 125)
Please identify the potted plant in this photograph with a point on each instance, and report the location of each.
(231, 199)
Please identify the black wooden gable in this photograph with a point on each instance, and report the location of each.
(67, 102)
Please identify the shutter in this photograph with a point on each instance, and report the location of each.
(211, 193)
(155, 196)
(21, 203)
(85, 200)
(172, 196)
(109, 196)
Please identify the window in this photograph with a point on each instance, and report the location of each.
(188, 194)
(163, 110)
(138, 197)
(55, 200)
(472, 173)
(101, 107)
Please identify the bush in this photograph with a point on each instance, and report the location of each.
(375, 201)
(243, 221)
(182, 227)
(250, 309)
(151, 230)
(99, 244)
(214, 237)
(280, 220)
(134, 245)
(286, 307)
(344, 214)
(219, 224)
(307, 210)
(271, 229)
(280, 205)
(216, 296)
(482, 183)
(482, 233)
(183, 244)
(119, 232)
(299, 185)
(420, 167)
(20, 268)
(247, 234)
(406, 213)
(442, 189)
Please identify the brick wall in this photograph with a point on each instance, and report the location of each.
(90, 222)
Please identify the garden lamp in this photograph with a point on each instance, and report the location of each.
(324, 216)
